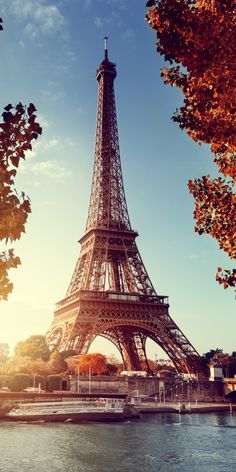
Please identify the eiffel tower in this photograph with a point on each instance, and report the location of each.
(110, 293)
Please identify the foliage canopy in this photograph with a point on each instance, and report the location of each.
(94, 362)
(34, 347)
(17, 131)
(198, 39)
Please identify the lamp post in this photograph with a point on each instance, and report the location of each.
(135, 399)
(156, 364)
(78, 385)
(89, 378)
(162, 393)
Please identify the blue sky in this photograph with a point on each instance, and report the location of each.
(50, 50)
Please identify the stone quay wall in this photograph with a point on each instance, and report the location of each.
(171, 389)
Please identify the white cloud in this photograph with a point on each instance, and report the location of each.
(53, 92)
(98, 22)
(128, 34)
(49, 144)
(30, 30)
(70, 142)
(3, 8)
(51, 169)
(30, 155)
(41, 16)
(71, 56)
(49, 18)
(120, 4)
(42, 121)
(42, 146)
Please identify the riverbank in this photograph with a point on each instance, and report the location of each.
(136, 405)
(186, 407)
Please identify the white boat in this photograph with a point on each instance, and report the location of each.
(87, 409)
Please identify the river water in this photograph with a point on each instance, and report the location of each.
(155, 443)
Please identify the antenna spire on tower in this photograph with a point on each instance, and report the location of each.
(106, 50)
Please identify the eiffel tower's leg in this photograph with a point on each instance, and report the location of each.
(132, 355)
(131, 345)
(114, 335)
(123, 338)
(54, 338)
(140, 341)
(64, 336)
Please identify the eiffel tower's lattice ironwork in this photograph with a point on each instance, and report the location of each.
(110, 293)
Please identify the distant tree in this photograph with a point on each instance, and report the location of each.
(120, 368)
(68, 353)
(220, 358)
(95, 362)
(53, 382)
(114, 365)
(57, 363)
(17, 131)
(34, 347)
(112, 359)
(19, 382)
(209, 355)
(224, 360)
(38, 367)
(16, 364)
(232, 365)
(227, 362)
(37, 380)
(198, 39)
(72, 364)
(4, 352)
(111, 369)
(5, 380)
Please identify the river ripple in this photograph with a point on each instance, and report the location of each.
(157, 442)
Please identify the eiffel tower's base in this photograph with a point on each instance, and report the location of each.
(127, 320)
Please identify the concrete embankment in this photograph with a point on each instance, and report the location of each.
(187, 408)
